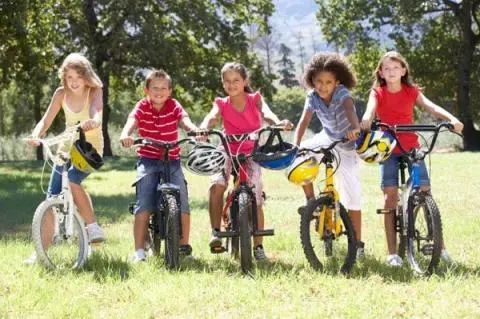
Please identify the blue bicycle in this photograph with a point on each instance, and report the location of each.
(417, 217)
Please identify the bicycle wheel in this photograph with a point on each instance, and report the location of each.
(172, 233)
(325, 249)
(54, 247)
(245, 232)
(424, 234)
(233, 242)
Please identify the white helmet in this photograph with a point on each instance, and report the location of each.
(206, 159)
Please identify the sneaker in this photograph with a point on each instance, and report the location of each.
(31, 260)
(215, 241)
(394, 260)
(301, 210)
(95, 233)
(360, 250)
(445, 256)
(259, 253)
(185, 250)
(137, 257)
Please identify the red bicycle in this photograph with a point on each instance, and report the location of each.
(239, 215)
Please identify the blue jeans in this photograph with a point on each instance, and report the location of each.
(149, 174)
(55, 184)
(389, 172)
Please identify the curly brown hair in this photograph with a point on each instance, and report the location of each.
(329, 62)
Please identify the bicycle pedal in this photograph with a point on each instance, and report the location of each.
(386, 211)
(218, 250)
(96, 245)
(427, 250)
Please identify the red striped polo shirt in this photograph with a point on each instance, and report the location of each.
(159, 125)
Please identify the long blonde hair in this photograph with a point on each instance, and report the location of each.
(82, 66)
(395, 56)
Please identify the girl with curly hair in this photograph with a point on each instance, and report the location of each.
(329, 78)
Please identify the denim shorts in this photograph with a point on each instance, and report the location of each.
(149, 174)
(74, 175)
(389, 172)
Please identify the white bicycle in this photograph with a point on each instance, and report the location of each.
(58, 231)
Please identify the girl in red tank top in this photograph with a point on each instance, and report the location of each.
(392, 100)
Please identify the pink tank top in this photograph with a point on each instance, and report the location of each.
(247, 121)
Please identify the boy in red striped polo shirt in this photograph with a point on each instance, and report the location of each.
(157, 117)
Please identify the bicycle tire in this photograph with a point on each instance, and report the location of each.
(245, 232)
(308, 219)
(61, 252)
(172, 233)
(233, 242)
(424, 258)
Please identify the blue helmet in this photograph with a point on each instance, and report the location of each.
(275, 156)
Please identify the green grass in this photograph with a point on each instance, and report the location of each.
(212, 285)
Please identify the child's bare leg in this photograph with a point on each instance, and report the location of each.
(356, 217)
(215, 205)
(258, 240)
(185, 229)
(308, 190)
(82, 201)
(391, 200)
(140, 225)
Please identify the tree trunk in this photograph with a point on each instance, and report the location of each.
(37, 102)
(471, 140)
(107, 148)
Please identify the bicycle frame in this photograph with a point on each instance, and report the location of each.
(333, 221)
(65, 195)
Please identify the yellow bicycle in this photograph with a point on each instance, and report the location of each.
(326, 230)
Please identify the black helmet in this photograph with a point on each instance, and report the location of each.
(84, 156)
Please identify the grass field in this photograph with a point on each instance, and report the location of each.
(212, 285)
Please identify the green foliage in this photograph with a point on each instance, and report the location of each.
(287, 68)
(440, 40)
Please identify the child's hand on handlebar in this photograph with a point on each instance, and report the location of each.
(365, 125)
(126, 141)
(31, 140)
(201, 135)
(89, 125)
(352, 135)
(457, 126)
(287, 125)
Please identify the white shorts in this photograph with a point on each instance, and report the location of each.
(347, 177)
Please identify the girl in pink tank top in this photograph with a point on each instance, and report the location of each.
(242, 112)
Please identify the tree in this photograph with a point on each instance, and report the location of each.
(301, 50)
(442, 33)
(287, 75)
(189, 39)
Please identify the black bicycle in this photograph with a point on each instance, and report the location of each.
(417, 217)
(165, 222)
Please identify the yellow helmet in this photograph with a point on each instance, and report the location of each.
(84, 156)
(303, 170)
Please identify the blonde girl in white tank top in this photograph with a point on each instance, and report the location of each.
(81, 99)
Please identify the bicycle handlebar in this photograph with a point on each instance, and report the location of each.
(254, 136)
(415, 128)
(323, 149)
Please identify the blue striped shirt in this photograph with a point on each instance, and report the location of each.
(332, 116)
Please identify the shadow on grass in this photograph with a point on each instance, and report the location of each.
(107, 267)
(370, 267)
